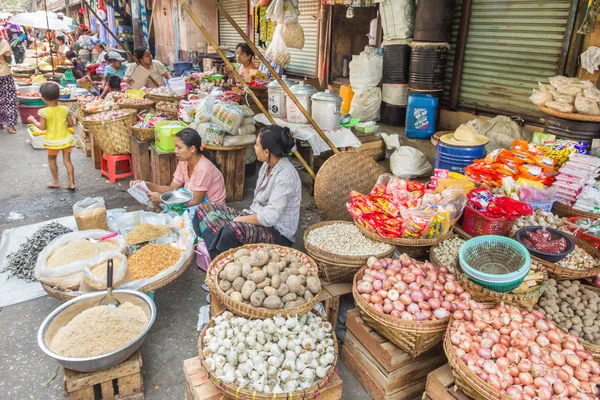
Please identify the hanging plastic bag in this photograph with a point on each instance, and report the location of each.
(406, 161)
(293, 35)
(276, 11)
(290, 11)
(277, 50)
(366, 105)
(90, 213)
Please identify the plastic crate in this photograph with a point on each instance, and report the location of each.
(542, 205)
(477, 224)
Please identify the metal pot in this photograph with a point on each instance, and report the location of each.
(327, 110)
(277, 97)
(303, 93)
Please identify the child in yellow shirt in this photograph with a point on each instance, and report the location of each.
(55, 120)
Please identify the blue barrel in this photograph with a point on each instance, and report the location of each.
(421, 114)
(181, 67)
(456, 158)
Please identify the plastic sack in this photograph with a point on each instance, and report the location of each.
(248, 113)
(204, 110)
(69, 276)
(544, 87)
(562, 98)
(277, 50)
(397, 18)
(211, 134)
(90, 213)
(569, 90)
(366, 70)
(406, 161)
(293, 35)
(558, 106)
(239, 140)
(94, 277)
(187, 110)
(558, 80)
(583, 105)
(246, 130)
(501, 131)
(228, 116)
(592, 93)
(366, 105)
(540, 98)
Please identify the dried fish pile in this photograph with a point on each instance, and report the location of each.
(22, 262)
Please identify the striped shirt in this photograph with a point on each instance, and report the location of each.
(277, 198)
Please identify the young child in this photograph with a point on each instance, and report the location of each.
(55, 120)
(113, 84)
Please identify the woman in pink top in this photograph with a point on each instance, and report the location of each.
(196, 171)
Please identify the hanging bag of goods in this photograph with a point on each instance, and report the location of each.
(277, 50)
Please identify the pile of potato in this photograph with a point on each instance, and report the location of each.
(266, 278)
(573, 307)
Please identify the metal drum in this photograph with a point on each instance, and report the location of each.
(579, 131)
(433, 22)
(395, 63)
(427, 66)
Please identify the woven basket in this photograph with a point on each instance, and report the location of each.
(524, 300)
(571, 116)
(87, 113)
(336, 268)
(414, 337)
(561, 273)
(466, 380)
(170, 114)
(563, 210)
(231, 391)
(156, 98)
(403, 242)
(247, 310)
(143, 134)
(138, 107)
(113, 136)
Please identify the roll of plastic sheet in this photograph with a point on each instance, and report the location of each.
(395, 94)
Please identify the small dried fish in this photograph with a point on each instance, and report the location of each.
(21, 263)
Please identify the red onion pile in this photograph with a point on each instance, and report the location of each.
(401, 288)
(523, 355)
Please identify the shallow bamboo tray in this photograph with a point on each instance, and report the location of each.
(138, 107)
(563, 210)
(156, 98)
(247, 310)
(571, 116)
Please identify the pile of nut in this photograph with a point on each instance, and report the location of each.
(134, 102)
(579, 259)
(345, 239)
(447, 252)
(541, 218)
(167, 106)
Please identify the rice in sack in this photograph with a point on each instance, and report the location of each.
(544, 87)
(583, 105)
(562, 107)
(540, 98)
(569, 90)
(558, 80)
(561, 98)
(94, 277)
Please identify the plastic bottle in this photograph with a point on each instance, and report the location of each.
(345, 71)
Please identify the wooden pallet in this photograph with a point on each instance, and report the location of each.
(385, 371)
(440, 385)
(199, 387)
(121, 382)
(163, 166)
(140, 160)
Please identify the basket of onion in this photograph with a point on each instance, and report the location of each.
(511, 354)
(407, 302)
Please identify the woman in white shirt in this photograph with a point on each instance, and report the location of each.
(138, 75)
(62, 48)
(9, 111)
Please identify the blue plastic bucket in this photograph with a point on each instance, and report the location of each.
(421, 114)
(181, 67)
(456, 158)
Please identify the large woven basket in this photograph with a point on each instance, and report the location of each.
(156, 98)
(171, 115)
(466, 380)
(563, 210)
(143, 134)
(561, 273)
(571, 116)
(138, 107)
(113, 135)
(414, 337)
(247, 310)
(231, 391)
(336, 268)
(524, 300)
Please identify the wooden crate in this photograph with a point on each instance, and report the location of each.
(140, 160)
(122, 382)
(385, 371)
(440, 385)
(85, 146)
(232, 162)
(96, 152)
(199, 387)
(330, 296)
(216, 307)
(163, 166)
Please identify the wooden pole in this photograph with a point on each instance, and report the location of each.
(117, 39)
(151, 21)
(49, 44)
(275, 75)
(242, 81)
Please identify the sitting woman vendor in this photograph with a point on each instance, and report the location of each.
(245, 58)
(275, 211)
(196, 171)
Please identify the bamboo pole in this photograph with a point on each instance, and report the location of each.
(242, 81)
(49, 44)
(275, 75)
(151, 21)
(117, 39)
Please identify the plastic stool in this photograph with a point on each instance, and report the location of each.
(110, 165)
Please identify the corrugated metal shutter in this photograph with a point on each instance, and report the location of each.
(238, 10)
(510, 47)
(452, 51)
(304, 62)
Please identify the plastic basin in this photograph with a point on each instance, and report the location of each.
(553, 258)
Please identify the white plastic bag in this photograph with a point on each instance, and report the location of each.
(365, 71)
(94, 276)
(228, 116)
(90, 213)
(562, 107)
(277, 50)
(239, 140)
(583, 105)
(366, 105)
(69, 276)
(592, 93)
(540, 98)
(204, 110)
(406, 161)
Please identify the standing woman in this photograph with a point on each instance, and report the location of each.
(275, 211)
(138, 75)
(9, 111)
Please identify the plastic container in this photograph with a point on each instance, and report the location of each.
(164, 134)
(303, 93)
(27, 111)
(456, 158)
(181, 66)
(347, 94)
(477, 224)
(135, 94)
(421, 114)
(542, 205)
(276, 97)
(553, 258)
(178, 86)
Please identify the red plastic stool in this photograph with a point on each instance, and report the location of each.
(110, 165)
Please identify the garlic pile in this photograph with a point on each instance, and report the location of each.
(163, 91)
(541, 218)
(579, 259)
(447, 252)
(275, 355)
(345, 239)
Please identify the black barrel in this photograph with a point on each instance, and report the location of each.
(392, 115)
(579, 131)
(427, 66)
(433, 22)
(396, 58)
